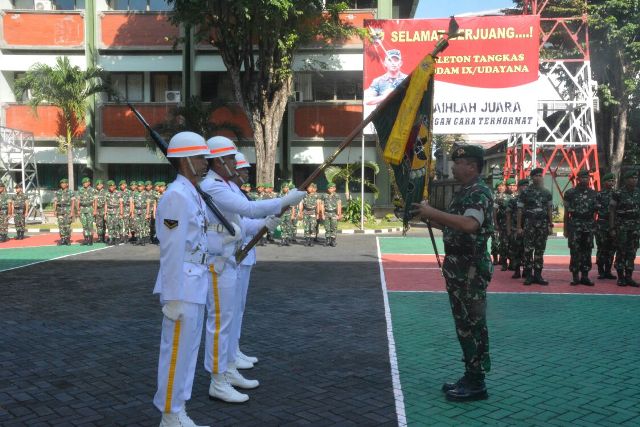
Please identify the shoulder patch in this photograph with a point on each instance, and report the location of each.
(219, 180)
(171, 223)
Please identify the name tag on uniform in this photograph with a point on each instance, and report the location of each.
(171, 223)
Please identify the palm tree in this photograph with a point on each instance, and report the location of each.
(68, 88)
(347, 173)
(195, 116)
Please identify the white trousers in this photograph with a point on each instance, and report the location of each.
(179, 346)
(244, 274)
(221, 303)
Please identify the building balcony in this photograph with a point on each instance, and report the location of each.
(136, 31)
(45, 123)
(39, 30)
(324, 120)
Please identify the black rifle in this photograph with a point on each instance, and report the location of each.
(163, 146)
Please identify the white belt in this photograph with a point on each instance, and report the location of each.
(218, 228)
(196, 258)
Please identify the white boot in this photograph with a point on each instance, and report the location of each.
(181, 419)
(237, 380)
(243, 363)
(251, 359)
(221, 389)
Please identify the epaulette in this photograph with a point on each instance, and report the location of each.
(219, 180)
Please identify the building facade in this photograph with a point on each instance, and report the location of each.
(134, 41)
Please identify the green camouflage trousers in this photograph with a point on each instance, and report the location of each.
(19, 221)
(141, 225)
(500, 243)
(86, 218)
(309, 222)
(580, 245)
(627, 238)
(100, 225)
(606, 246)
(535, 242)
(467, 283)
(114, 225)
(287, 228)
(516, 249)
(64, 224)
(330, 224)
(4, 224)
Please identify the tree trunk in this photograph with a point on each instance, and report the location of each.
(69, 147)
(621, 139)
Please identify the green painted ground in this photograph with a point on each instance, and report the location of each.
(16, 257)
(557, 360)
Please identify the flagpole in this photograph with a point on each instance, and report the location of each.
(362, 186)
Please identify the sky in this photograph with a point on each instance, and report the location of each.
(444, 8)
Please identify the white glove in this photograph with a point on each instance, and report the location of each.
(271, 222)
(292, 198)
(228, 238)
(174, 310)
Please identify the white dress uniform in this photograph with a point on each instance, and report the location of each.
(181, 225)
(222, 298)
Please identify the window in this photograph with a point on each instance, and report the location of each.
(216, 86)
(69, 4)
(331, 85)
(141, 5)
(356, 4)
(128, 86)
(161, 83)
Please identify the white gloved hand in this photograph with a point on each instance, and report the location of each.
(228, 238)
(174, 310)
(271, 222)
(293, 197)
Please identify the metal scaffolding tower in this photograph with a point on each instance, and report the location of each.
(566, 136)
(18, 165)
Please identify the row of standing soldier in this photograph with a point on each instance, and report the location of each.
(523, 218)
(16, 206)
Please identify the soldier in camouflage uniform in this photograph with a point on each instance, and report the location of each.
(499, 243)
(308, 212)
(580, 206)
(516, 243)
(287, 225)
(113, 210)
(269, 194)
(125, 194)
(259, 191)
(133, 189)
(624, 225)
(535, 224)
(5, 211)
(64, 201)
(140, 212)
(151, 196)
(331, 213)
(101, 226)
(86, 207)
(606, 245)
(20, 208)
(467, 269)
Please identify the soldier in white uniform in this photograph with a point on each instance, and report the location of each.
(182, 279)
(222, 302)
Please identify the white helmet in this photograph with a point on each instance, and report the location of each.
(220, 146)
(241, 161)
(187, 144)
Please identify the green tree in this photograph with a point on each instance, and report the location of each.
(68, 88)
(615, 46)
(196, 116)
(256, 40)
(350, 173)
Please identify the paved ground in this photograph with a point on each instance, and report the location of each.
(80, 341)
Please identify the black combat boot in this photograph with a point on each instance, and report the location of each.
(622, 281)
(326, 241)
(333, 242)
(446, 387)
(575, 280)
(468, 390)
(537, 278)
(528, 277)
(91, 240)
(505, 266)
(607, 272)
(516, 273)
(495, 259)
(585, 279)
(601, 272)
(67, 241)
(103, 238)
(630, 281)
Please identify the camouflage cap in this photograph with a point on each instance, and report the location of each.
(500, 184)
(292, 186)
(123, 181)
(268, 185)
(163, 184)
(133, 183)
(99, 181)
(523, 182)
(17, 185)
(330, 184)
(608, 177)
(584, 174)
(140, 183)
(260, 184)
(312, 185)
(511, 181)
(111, 182)
(148, 183)
(467, 151)
(85, 179)
(536, 172)
(64, 181)
(629, 173)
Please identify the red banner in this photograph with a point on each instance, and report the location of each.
(485, 80)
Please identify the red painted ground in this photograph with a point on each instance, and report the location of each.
(44, 239)
(420, 273)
